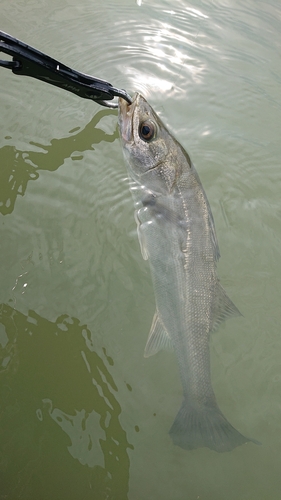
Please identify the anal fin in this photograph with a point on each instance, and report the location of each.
(158, 338)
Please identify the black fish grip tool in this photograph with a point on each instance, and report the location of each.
(31, 62)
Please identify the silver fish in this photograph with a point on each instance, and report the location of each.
(177, 235)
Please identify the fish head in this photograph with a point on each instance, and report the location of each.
(153, 155)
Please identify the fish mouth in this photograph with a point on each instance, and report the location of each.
(125, 117)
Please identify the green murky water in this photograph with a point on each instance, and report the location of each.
(83, 414)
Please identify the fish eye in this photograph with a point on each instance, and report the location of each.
(147, 131)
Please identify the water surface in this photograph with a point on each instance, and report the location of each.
(83, 414)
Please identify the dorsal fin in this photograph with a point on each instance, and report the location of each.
(213, 234)
(223, 308)
(211, 221)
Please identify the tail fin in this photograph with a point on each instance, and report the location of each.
(196, 427)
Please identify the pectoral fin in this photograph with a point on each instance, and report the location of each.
(224, 308)
(141, 238)
(158, 338)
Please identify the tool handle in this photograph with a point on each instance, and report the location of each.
(31, 62)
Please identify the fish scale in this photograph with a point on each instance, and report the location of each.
(177, 236)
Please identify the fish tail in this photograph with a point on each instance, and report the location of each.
(196, 427)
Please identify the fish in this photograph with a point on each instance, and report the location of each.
(177, 235)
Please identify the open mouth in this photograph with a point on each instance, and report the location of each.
(125, 118)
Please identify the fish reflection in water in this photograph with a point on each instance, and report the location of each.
(177, 236)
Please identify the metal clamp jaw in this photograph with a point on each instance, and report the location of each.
(31, 62)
